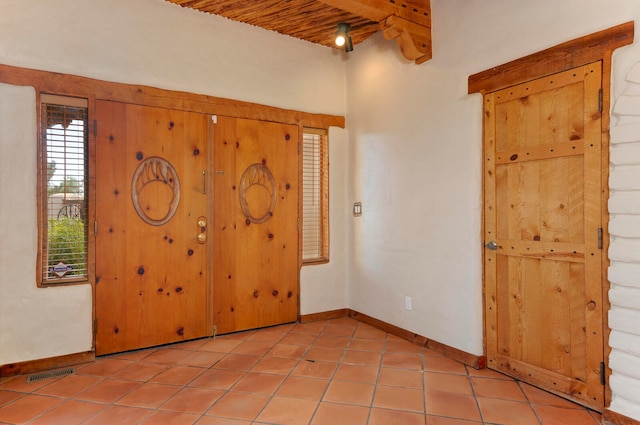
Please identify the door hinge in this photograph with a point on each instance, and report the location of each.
(600, 100)
(95, 227)
(95, 128)
(214, 119)
(599, 237)
(602, 378)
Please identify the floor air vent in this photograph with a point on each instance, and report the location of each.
(51, 374)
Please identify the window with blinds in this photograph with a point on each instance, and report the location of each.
(315, 196)
(64, 184)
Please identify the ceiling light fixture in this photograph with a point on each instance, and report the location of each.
(343, 38)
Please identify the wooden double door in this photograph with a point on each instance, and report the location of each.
(196, 228)
(543, 208)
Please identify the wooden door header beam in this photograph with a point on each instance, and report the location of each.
(408, 22)
(76, 86)
(577, 52)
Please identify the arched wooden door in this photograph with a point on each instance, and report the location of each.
(151, 194)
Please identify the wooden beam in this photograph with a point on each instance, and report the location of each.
(417, 11)
(71, 85)
(414, 40)
(577, 52)
(408, 22)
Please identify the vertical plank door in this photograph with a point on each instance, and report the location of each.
(543, 206)
(255, 228)
(151, 268)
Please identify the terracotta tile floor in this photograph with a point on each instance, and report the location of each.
(323, 373)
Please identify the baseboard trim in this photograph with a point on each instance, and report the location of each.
(609, 417)
(325, 315)
(40, 365)
(476, 362)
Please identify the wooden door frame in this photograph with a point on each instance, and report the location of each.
(596, 47)
(94, 89)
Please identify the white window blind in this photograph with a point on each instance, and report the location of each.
(315, 196)
(64, 188)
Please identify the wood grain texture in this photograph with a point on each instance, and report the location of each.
(310, 20)
(70, 85)
(574, 53)
(40, 365)
(151, 280)
(324, 315)
(609, 417)
(543, 208)
(256, 275)
(316, 20)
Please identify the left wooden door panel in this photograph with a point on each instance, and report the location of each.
(151, 266)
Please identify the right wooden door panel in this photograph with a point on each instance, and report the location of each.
(543, 208)
(255, 276)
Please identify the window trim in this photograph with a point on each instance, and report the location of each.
(42, 191)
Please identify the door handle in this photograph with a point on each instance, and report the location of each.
(492, 245)
(202, 229)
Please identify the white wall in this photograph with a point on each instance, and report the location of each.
(415, 164)
(156, 43)
(324, 287)
(624, 252)
(57, 320)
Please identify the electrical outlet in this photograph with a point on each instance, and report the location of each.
(407, 303)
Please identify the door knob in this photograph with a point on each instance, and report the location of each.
(492, 245)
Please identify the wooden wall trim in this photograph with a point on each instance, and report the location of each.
(577, 52)
(71, 85)
(40, 365)
(610, 417)
(325, 315)
(476, 362)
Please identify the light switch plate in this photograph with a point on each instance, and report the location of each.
(357, 209)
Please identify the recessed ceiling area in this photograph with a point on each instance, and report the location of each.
(408, 22)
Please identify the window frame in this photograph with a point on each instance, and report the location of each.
(321, 139)
(68, 100)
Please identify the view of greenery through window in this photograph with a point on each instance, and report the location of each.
(65, 140)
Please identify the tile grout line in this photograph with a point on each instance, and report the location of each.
(375, 385)
(271, 342)
(315, 411)
(271, 397)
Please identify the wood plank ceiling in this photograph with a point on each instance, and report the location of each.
(408, 22)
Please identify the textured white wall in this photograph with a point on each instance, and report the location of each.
(415, 163)
(324, 286)
(624, 252)
(42, 322)
(156, 43)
